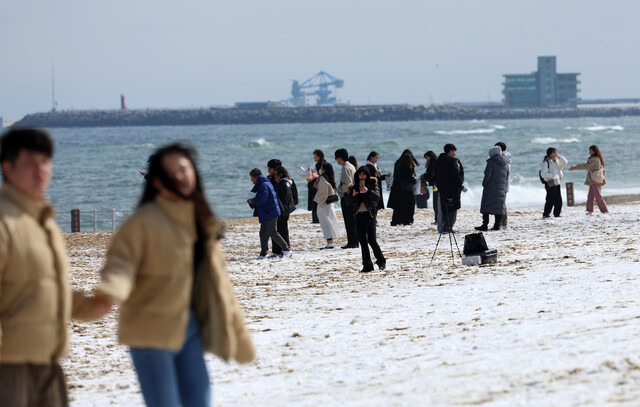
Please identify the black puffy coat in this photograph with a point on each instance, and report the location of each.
(371, 197)
(449, 178)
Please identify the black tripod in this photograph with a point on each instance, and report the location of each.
(452, 236)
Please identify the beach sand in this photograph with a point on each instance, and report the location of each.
(555, 322)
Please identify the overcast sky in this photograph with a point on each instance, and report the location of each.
(195, 53)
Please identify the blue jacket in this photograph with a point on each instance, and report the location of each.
(265, 201)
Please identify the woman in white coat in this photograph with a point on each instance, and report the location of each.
(325, 186)
(551, 173)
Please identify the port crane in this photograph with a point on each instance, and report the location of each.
(318, 85)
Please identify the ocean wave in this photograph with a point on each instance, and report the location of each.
(499, 127)
(597, 127)
(472, 131)
(259, 142)
(549, 140)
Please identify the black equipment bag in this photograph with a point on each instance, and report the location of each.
(474, 243)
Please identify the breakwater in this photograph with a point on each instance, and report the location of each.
(331, 114)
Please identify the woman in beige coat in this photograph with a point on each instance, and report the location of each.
(166, 269)
(325, 186)
(595, 179)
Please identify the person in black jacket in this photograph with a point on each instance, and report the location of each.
(402, 198)
(287, 204)
(374, 170)
(449, 180)
(366, 195)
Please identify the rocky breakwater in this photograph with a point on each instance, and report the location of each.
(185, 117)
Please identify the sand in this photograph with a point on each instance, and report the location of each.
(555, 322)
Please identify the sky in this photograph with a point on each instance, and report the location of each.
(202, 53)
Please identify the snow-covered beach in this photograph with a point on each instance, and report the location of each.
(555, 322)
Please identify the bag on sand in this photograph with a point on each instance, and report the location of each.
(474, 243)
(597, 176)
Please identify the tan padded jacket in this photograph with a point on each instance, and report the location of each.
(149, 271)
(35, 296)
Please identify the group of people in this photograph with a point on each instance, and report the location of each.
(359, 192)
(165, 269)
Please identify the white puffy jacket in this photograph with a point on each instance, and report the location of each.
(552, 173)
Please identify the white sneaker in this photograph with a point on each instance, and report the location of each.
(286, 253)
(261, 257)
(589, 213)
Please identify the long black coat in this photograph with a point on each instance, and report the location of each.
(495, 185)
(371, 198)
(449, 179)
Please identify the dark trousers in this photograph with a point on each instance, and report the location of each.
(366, 228)
(553, 201)
(485, 220)
(349, 223)
(26, 384)
(283, 230)
(268, 229)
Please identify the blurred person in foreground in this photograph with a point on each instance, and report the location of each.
(36, 301)
(166, 269)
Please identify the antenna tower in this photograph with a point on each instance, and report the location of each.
(53, 88)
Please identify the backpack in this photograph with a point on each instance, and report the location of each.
(540, 174)
(294, 192)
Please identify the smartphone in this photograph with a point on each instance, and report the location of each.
(361, 183)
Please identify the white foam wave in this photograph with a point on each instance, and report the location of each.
(499, 127)
(550, 140)
(472, 131)
(597, 127)
(259, 142)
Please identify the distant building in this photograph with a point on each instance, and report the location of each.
(543, 88)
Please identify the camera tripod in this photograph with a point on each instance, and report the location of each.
(452, 238)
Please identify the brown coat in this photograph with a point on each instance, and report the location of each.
(149, 271)
(592, 164)
(35, 296)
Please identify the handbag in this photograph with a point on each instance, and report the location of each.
(474, 243)
(597, 176)
(332, 198)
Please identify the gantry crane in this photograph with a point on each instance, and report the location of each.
(321, 83)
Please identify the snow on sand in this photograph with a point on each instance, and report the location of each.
(555, 322)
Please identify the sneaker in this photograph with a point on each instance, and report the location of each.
(261, 257)
(483, 228)
(382, 266)
(273, 256)
(589, 213)
(366, 270)
(545, 216)
(503, 227)
(287, 253)
(328, 246)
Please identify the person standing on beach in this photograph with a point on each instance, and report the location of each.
(287, 202)
(507, 156)
(366, 195)
(374, 170)
(318, 157)
(401, 198)
(429, 177)
(325, 186)
(36, 299)
(449, 180)
(282, 225)
(595, 179)
(494, 190)
(346, 182)
(166, 269)
(266, 208)
(551, 173)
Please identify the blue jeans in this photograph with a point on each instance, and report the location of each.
(169, 378)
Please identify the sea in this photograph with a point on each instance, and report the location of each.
(96, 170)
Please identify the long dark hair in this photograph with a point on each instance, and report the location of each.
(353, 160)
(597, 153)
(203, 213)
(414, 162)
(328, 174)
